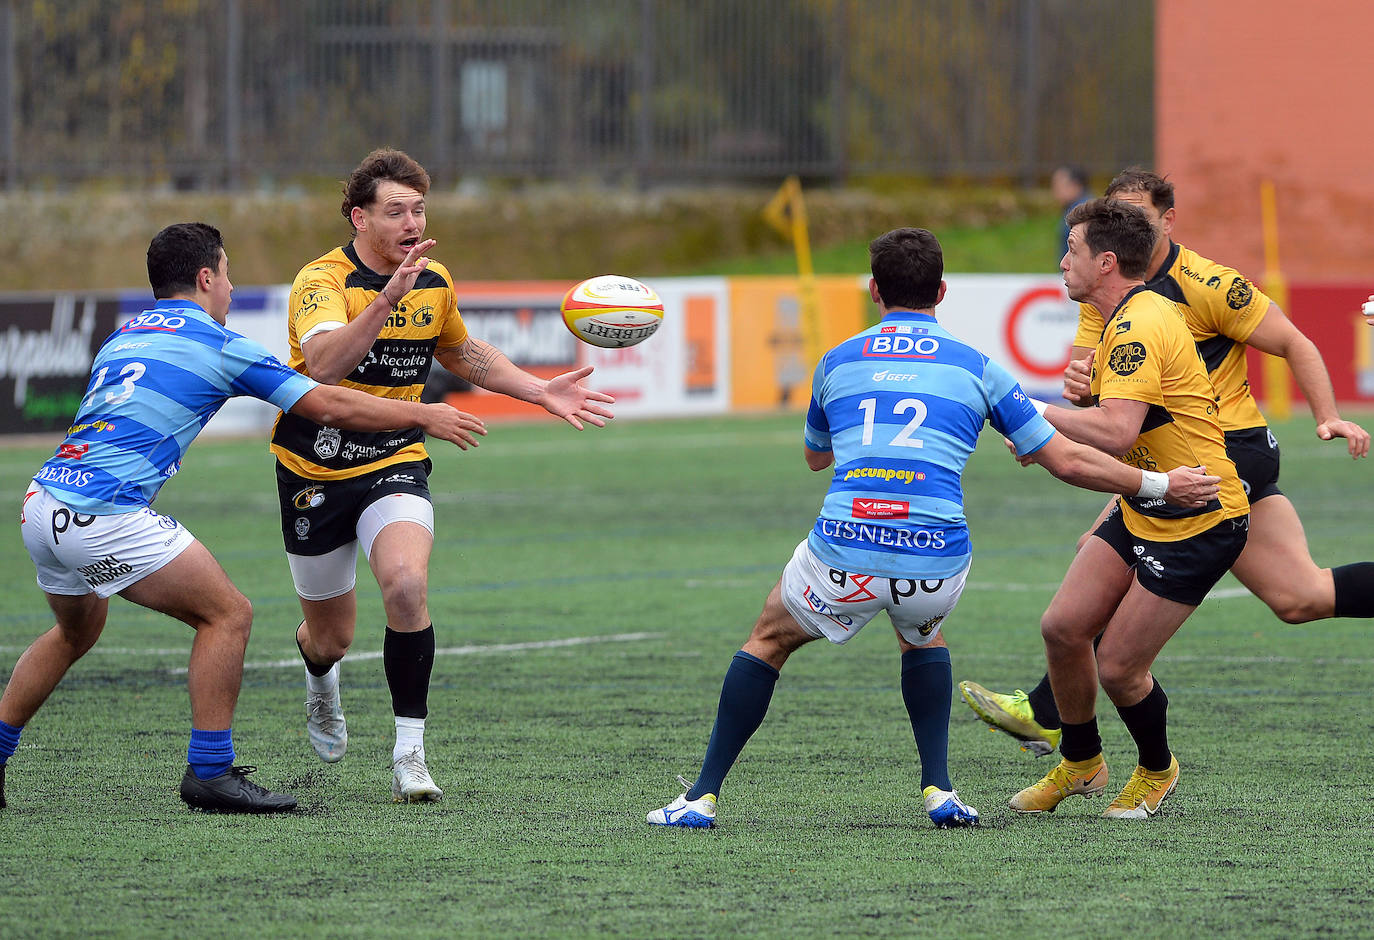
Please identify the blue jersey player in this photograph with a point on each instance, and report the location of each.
(897, 410)
(87, 520)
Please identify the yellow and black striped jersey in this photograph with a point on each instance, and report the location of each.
(1221, 309)
(1147, 354)
(332, 291)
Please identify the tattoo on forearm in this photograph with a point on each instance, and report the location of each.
(479, 357)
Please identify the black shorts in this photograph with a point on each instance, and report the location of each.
(1182, 571)
(318, 516)
(1256, 456)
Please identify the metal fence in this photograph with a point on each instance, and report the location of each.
(212, 93)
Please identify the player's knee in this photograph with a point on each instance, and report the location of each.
(1116, 677)
(403, 587)
(1056, 632)
(238, 616)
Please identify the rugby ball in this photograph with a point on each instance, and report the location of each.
(610, 310)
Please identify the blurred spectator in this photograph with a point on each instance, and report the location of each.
(1069, 184)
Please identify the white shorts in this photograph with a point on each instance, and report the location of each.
(836, 604)
(77, 553)
(320, 577)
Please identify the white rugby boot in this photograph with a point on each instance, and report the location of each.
(410, 779)
(324, 721)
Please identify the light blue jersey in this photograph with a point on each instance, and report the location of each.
(901, 405)
(154, 384)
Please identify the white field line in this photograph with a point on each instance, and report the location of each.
(475, 650)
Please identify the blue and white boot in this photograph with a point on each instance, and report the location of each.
(694, 814)
(947, 811)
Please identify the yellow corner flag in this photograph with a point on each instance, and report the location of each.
(1278, 397)
(786, 213)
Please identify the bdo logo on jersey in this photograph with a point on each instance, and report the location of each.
(901, 346)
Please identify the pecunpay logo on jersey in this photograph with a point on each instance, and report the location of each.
(900, 346)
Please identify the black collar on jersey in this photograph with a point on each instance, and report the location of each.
(1117, 309)
(1166, 266)
(367, 277)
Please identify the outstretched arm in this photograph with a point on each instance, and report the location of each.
(339, 407)
(563, 396)
(1277, 336)
(1091, 469)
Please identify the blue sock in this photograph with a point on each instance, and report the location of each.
(744, 701)
(9, 740)
(211, 752)
(927, 689)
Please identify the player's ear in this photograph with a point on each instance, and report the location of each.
(873, 291)
(940, 295)
(358, 216)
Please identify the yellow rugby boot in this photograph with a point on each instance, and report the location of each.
(1068, 778)
(1012, 714)
(1144, 792)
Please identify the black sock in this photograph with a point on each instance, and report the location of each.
(1080, 741)
(408, 659)
(1147, 722)
(314, 668)
(1042, 704)
(1354, 589)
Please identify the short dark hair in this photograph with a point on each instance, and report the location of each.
(1137, 179)
(907, 266)
(360, 189)
(1074, 172)
(177, 253)
(1118, 227)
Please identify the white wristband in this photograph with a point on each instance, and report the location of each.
(1040, 406)
(1153, 485)
(1368, 308)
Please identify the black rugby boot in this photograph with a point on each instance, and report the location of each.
(232, 792)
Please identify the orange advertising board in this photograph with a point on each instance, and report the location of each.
(769, 362)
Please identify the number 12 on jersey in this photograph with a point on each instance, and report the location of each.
(903, 438)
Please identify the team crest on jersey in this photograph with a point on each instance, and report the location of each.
(1122, 326)
(1126, 358)
(1214, 281)
(424, 316)
(1239, 295)
(327, 442)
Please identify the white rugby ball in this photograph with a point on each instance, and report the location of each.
(611, 310)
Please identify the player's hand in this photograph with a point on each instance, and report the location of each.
(1191, 487)
(448, 423)
(1356, 437)
(1025, 461)
(1078, 380)
(404, 279)
(1368, 310)
(566, 397)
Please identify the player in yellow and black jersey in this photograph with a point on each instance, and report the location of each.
(332, 291)
(1226, 314)
(1145, 569)
(374, 315)
(1148, 359)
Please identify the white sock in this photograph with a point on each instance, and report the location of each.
(410, 733)
(322, 685)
